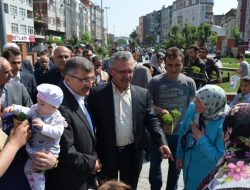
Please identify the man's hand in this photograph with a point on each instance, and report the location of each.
(44, 161)
(196, 133)
(159, 111)
(37, 122)
(9, 109)
(98, 166)
(179, 164)
(165, 152)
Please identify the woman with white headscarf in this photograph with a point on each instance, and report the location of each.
(200, 135)
(233, 170)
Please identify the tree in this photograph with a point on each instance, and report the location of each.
(189, 34)
(236, 35)
(74, 40)
(86, 38)
(204, 31)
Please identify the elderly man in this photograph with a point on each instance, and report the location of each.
(16, 93)
(55, 75)
(77, 160)
(120, 113)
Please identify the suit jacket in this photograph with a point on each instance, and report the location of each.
(77, 157)
(101, 105)
(16, 94)
(29, 82)
(141, 76)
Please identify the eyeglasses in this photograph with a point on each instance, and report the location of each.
(123, 72)
(84, 81)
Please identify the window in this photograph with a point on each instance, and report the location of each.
(30, 30)
(13, 10)
(193, 2)
(23, 29)
(6, 8)
(29, 14)
(14, 28)
(22, 12)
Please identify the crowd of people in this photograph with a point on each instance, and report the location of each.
(90, 120)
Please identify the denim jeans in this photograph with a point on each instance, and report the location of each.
(155, 175)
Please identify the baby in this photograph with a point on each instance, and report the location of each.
(46, 129)
(244, 95)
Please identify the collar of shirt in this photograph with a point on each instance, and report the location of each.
(116, 90)
(17, 78)
(79, 99)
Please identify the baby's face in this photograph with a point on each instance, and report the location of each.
(45, 108)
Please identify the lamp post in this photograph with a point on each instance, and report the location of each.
(102, 23)
(107, 18)
(2, 28)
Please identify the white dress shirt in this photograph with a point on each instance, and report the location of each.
(123, 117)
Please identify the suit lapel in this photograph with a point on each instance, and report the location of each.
(74, 106)
(135, 100)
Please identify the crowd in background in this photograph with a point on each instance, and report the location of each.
(99, 115)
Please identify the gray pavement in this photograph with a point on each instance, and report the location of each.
(143, 180)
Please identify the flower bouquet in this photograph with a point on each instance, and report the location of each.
(169, 121)
(19, 119)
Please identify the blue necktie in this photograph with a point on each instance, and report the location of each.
(88, 117)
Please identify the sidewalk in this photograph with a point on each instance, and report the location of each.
(143, 183)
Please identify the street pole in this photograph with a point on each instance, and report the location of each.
(102, 23)
(107, 18)
(3, 39)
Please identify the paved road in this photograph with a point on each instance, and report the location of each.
(143, 181)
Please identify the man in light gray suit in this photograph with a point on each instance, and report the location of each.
(10, 92)
(141, 76)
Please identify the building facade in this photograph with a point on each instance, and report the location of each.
(243, 19)
(193, 12)
(19, 20)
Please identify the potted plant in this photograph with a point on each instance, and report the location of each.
(19, 119)
(169, 121)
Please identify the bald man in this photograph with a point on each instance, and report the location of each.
(55, 75)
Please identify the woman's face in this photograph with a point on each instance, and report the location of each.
(199, 108)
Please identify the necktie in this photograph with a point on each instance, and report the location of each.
(88, 117)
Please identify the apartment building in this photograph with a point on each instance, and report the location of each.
(166, 21)
(19, 20)
(229, 22)
(194, 12)
(243, 19)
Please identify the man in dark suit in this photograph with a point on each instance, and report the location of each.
(77, 160)
(55, 75)
(120, 113)
(13, 55)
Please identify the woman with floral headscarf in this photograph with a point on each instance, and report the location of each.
(200, 135)
(233, 170)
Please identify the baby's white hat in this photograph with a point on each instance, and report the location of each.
(50, 94)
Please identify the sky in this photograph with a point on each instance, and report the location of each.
(123, 15)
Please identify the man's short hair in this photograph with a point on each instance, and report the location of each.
(246, 79)
(77, 62)
(120, 56)
(11, 51)
(195, 47)
(173, 53)
(204, 49)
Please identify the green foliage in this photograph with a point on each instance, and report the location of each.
(176, 114)
(101, 51)
(55, 40)
(74, 40)
(86, 38)
(196, 69)
(21, 116)
(236, 35)
(169, 118)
